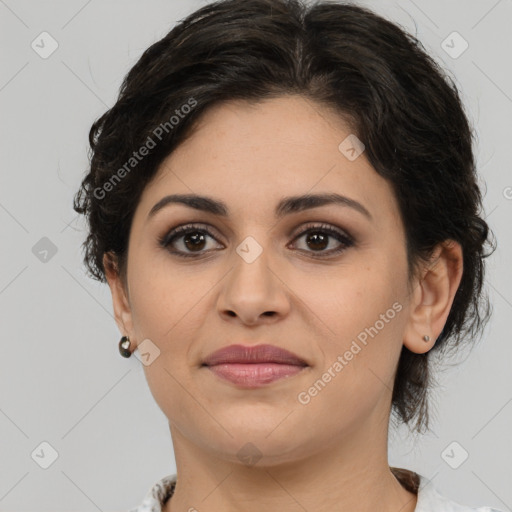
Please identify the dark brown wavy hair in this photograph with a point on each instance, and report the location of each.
(380, 80)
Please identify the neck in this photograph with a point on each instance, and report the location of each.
(348, 475)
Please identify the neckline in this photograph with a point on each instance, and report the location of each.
(410, 480)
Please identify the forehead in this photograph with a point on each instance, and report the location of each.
(255, 153)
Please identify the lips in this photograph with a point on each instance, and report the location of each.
(252, 367)
(253, 355)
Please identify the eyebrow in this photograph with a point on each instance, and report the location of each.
(286, 206)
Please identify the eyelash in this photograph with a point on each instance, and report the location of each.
(346, 240)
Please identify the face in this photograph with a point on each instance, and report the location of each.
(328, 283)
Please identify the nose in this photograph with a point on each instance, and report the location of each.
(253, 292)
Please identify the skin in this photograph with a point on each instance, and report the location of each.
(331, 453)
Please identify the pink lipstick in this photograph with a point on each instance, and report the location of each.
(254, 366)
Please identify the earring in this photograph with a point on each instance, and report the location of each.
(124, 346)
(426, 338)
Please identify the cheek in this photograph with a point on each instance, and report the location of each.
(349, 298)
(360, 332)
(163, 295)
(358, 366)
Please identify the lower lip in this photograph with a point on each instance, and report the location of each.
(254, 375)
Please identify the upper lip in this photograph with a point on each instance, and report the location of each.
(253, 354)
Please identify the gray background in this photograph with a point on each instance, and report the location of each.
(61, 377)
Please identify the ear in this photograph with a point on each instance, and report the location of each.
(433, 297)
(120, 297)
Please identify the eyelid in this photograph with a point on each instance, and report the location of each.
(321, 226)
(342, 236)
(180, 229)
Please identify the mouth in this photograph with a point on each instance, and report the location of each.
(254, 366)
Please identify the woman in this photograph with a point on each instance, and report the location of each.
(284, 204)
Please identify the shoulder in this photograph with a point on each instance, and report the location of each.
(157, 495)
(430, 500)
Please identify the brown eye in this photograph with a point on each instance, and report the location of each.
(193, 241)
(317, 241)
(187, 240)
(319, 237)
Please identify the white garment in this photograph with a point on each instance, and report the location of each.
(429, 500)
